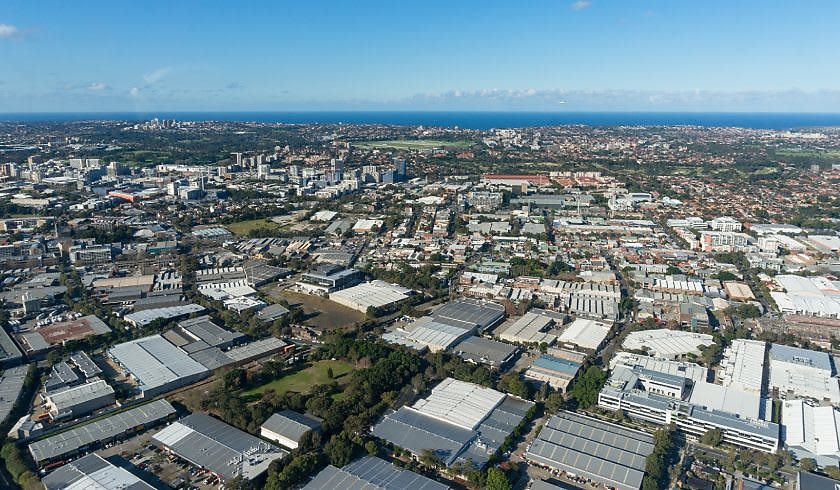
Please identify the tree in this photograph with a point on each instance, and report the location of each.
(808, 464)
(53, 357)
(832, 471)
(589, 384)
(553, 403)
(430, 458)
(372, 448)
(339, 450)
(497, 480)
(712, 437)
(235, 379)
(330, 373)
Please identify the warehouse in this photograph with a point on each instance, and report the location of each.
(202, 329)
(89, 436)
(156, 365)
(371, 473)
(532, 327)
(738, 291)
(426, 333)
(478, 350)
(459, 421)
(218, 447)
(743, 365)
(11, 385)
(585, 334)
(583, 446)
(667, 344)
(811, 296)
(80, 400)
(803, 373)
(374, 294)
(812, 431)
(470, 313)
(93, 472)
(145, 317)
(272, 312)
(558, 373)
(9, 352)
(257, 349)
(288, 427)
(326, 278)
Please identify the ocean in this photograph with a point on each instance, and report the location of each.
(469, 120)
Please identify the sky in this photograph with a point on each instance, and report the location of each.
(555, 56)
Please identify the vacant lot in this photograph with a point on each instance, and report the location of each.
(242, 228)
(413, 144)
(319, 312)
(303, 380)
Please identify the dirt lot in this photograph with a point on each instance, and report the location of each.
(191, 398)
(320, 313)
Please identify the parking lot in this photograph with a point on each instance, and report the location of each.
(172, 471)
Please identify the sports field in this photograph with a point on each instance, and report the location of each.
(303, 380)
(413, 144)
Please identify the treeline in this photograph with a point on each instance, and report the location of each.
(664, 455)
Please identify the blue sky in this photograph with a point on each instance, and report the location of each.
(593, 55)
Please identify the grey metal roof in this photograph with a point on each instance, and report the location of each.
(411, 430)
(156, 363)
(291, 424)
(371, 473)
(69, 441)
(815, 482)
(272, 312)
(485, 351)
(255, 349)
(218, 447)
(146, 317)
(203, 329)
(85, 364)
(470, 313)
(11, 384)
(8, 350)
(93, 472)
(795, 355)
(415, 431)
(60, 376)
(585, 446)
(212, 358)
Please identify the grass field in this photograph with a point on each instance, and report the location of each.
(303, 380)
(809, 153)
(242, 228)
(319, 312)
(413, 144)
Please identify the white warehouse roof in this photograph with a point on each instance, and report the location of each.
(588, 334)
(812, 430)
(667, 343)
(370, 294)
(460, 403)
(154, 362)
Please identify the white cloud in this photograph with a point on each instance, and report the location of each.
(134, 92)
(156, 75)
(98, 86)
(8, 31)
(581, 4)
